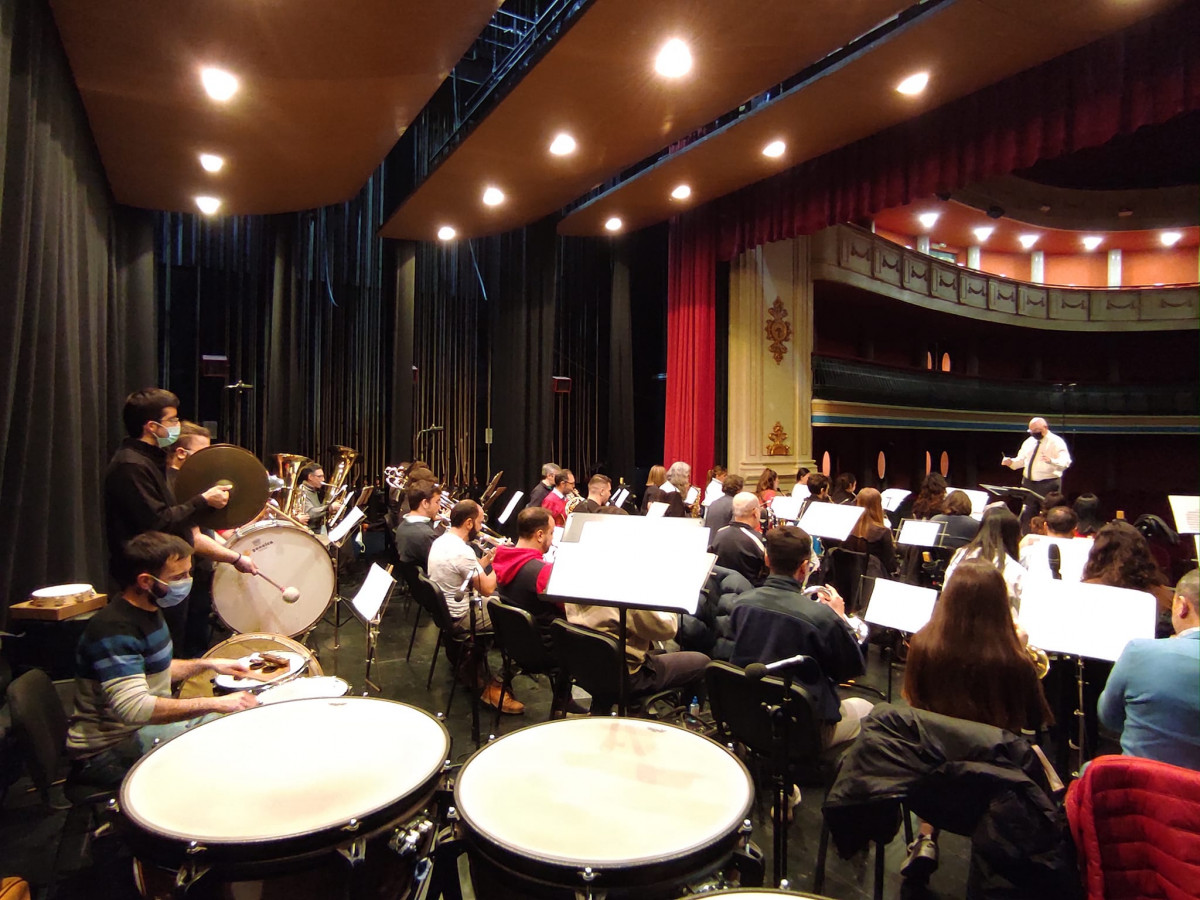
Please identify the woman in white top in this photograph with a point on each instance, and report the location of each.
(999, 535)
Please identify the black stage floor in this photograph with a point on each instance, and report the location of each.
(30, 835)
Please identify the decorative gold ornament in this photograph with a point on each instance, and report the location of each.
(779, 331)
(777, 447)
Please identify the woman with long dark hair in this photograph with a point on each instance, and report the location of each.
(931, 498)
(996, 543)
(871, 535)
(1120, 557)
(767, 487)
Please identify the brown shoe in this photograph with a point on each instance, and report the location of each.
(491, 697)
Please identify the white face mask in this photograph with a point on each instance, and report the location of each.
(172, 435)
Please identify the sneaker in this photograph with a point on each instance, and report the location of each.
(491, 697)
(793, 802)
(922, 858)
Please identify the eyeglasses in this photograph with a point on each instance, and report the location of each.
(174, 420)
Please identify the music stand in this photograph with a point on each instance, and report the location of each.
(368, 606)
(979, 500)
(337, 539)
(785, 508)
(830, 520)
(892, 498)
(921, 533)
(512, 504)
(901, 607)
(1003, 492)
(1186, 510)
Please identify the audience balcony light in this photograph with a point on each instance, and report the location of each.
(928, 219)
(219, 84)
(208, 205)
(682, 192)
(674, 60)
(563, 144)
(913, 84)
(1091, 242)
(1028, 240)
(983, 233)
(493, 196)
(614, 224)
(210, 162)
(1170, 238)
(775, 149)
(447, 233)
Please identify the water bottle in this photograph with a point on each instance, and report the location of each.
(693, 716)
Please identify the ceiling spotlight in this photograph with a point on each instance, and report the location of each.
(208, 205)
(493, 196)
(1028, 240)
(1091, 242)
(674, 59)
(775, 149)
(210, 162)
(219, 84)
(913, 84)
(446, 233)
(562, 145)
(614, 224)
(983, 233)
(681, 193)
(1170, 238)
(927, 220)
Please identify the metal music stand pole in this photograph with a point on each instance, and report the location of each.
(622, 640)
(472, 602)
(779, 714)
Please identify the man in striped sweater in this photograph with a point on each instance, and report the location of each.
(124, 669)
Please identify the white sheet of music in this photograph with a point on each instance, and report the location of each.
(692, 495)
(893, 497)
(786, 508)
(905, 607)
(1090, 620)
(620, 497)
(512, 504)
(979, 499)
(347, 524)
(657, 510)
(919, 533)
(830, 520)
(1186, 511)
(373, 592)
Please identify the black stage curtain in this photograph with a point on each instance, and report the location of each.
(78, 333)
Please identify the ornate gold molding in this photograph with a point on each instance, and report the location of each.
(777, 447)
(778, 329)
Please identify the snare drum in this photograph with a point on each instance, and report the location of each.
(241, 645)
(292, 557)
(275, 801)
(623, 807)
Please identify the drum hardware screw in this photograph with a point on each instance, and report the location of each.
(491, 737)
(112, 806)
(588, 875)
(784, 884)
(452, 814)
(355, 852)
(440, 716)
(351, 826)
(194, 848)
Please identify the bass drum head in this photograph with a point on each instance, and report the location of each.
(291, 556)
(243, 645)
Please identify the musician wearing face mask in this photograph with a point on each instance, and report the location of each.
(1042, 459)
(125, 670)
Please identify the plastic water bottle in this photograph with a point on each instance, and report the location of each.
(693, 716)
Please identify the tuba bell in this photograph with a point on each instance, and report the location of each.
(341, 469)
(289, 466)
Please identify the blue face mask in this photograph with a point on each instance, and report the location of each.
(172, 435)
(170, 593)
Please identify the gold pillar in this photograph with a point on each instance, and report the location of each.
(770, 361)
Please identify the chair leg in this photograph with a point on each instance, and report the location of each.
(433, 662)
(908, 829)
(878, 890)
(822, 850)
(413, 639)
(450, 699)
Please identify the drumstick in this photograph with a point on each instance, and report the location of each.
(290, 594)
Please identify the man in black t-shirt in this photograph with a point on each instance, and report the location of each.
(416, 532)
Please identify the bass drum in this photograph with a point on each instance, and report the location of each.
(240, 645)
(277, 802)
(290, 556)
(611, 807)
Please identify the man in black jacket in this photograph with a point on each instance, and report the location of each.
(543, 487)
(778, 620)
(416, 532)
(738, 545)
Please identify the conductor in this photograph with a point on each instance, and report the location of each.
(1043, 458)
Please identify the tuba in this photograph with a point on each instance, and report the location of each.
(290, 465)
(573, 500)
(341, 470)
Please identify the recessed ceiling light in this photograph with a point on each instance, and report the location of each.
(446, 233)
(682, 192)
(208, 205)
(1091, 242)
(219, 84)
(928, 219)
(674, 59)
(983, 233)
(614, 224)
(774, 149)
(210, 162)
(1028, 240)
(563, 144)
(913, 84)
(1170, 238)
(493, 196)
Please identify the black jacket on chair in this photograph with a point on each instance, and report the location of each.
(966, 778)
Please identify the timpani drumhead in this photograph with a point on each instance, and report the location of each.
(603, 792)
(290, 556)
(241, 645)
(328, 686)
(289, 770)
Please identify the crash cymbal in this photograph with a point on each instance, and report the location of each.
(228, 465)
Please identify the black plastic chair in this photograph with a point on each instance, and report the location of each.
(431, 598)
(408, 576)
(593, 660)
(522, 645)
(846, 571)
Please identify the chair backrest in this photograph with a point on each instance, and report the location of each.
(433, 601)
(738, 708)
(518, 636)
(40, 726)
(591, 658)
(408, 574)
(846, 570)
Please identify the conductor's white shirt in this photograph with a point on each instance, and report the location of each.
(1053, 458)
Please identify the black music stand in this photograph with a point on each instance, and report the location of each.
(370, 611)
(1007, 492)
(900, 607)
(335, 546)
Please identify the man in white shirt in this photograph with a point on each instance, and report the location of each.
(1042, 459)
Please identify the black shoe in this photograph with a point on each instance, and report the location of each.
(922, 858)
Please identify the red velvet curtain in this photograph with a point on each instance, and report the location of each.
(691, 343)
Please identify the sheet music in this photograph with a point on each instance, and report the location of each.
(905, 607)
(979, 499)
(786, 508)
(830, 520)
(512, 504)
(1090, 620)
(620, 497)
(919, 533)
(369, 599)
(347, 524)
(692, 494)
(1186, 511)
(657, 510)
(893, 497)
